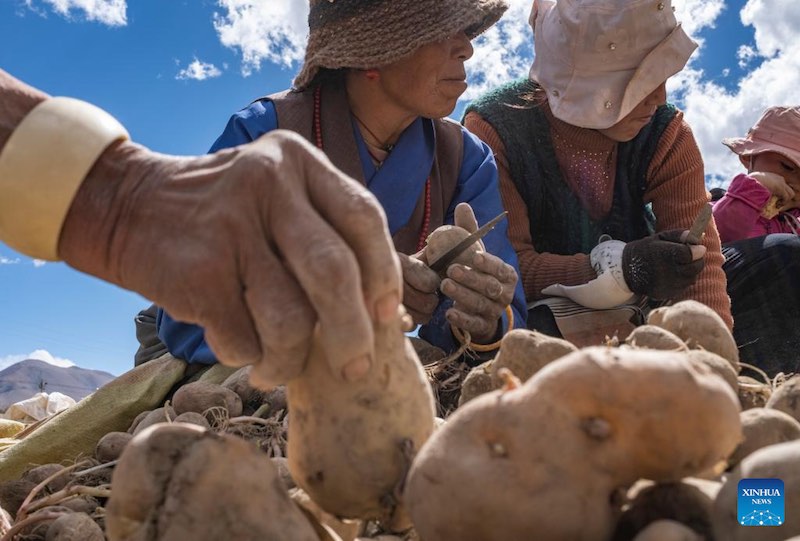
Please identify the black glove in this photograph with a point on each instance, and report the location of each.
(660, 266)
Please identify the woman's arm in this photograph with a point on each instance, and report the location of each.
(676, 188)
(537, 270)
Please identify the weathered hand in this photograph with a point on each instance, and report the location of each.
(775, 183)
(420, 285)
(256, 244)
(481, 291)
(480, 294)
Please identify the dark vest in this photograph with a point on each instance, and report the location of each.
(295, 111)
(558, 222)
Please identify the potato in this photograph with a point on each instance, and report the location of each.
(138, 419)
(786, 397)
(668, 530)
(525, 352)
(239, 382)
(753, 393)
(200, 396)
(781, 461)
(192, 418)
(276, 398)
(158, 415)
(13, 493)
(478, 381)
(717, 364)
(350, 443)
(74, 527)
(111, 445)
(565, 442)
(40, 473)
(701, 428)
(82, 504)
(652, 337)
(445, 237)
(427, 352)
(177, 481)
(699, 327)
(763, 427)
(677, 502)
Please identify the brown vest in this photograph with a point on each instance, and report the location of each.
(295, 111)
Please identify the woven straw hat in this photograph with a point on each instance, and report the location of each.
(598, 59)
(778, 130)
(364, 34)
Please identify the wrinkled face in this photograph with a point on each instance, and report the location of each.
(429, 82)
(630, 126)
(772, 162)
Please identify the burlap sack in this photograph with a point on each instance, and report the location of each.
(73, 433)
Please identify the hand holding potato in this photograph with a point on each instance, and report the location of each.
(481, 291)
(256, 244)
(420, 286)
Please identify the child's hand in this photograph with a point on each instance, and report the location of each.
(775, 183)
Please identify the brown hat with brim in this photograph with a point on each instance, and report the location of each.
(364, 34)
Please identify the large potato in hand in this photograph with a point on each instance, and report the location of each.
(350, 443)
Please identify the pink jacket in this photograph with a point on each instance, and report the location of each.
(738, 213)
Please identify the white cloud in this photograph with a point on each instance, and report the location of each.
(745, 54)
(39, 263)
(199, 71)
(40, 354)
(109, 12)
(8, 261)
(502, 53)
(716, 112)
(273, 31)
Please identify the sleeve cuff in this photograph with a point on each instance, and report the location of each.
(42, 166)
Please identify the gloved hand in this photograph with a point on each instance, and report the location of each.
(420, 285)
(661, 266)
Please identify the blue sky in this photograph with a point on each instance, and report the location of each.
(173, 71)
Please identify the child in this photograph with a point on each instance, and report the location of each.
(767, 199)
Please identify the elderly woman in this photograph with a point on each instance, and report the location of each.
(379, 76)
(588, 147)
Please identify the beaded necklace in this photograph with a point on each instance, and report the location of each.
(426, 222)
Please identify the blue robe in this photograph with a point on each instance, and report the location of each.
(398, 185)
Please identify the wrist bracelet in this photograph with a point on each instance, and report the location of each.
(42, 166)
(486, 347)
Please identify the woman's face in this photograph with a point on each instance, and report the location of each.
(429, 82)
(772, 162)
(630, 126)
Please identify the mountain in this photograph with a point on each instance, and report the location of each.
(26, 378)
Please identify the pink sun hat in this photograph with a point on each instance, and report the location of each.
(598, 59)
(778, 130)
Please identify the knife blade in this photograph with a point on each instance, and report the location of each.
(450, 255)
(699, 225)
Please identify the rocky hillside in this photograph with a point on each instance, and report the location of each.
(26, 378)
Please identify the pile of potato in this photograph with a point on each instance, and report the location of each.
(643, 440)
